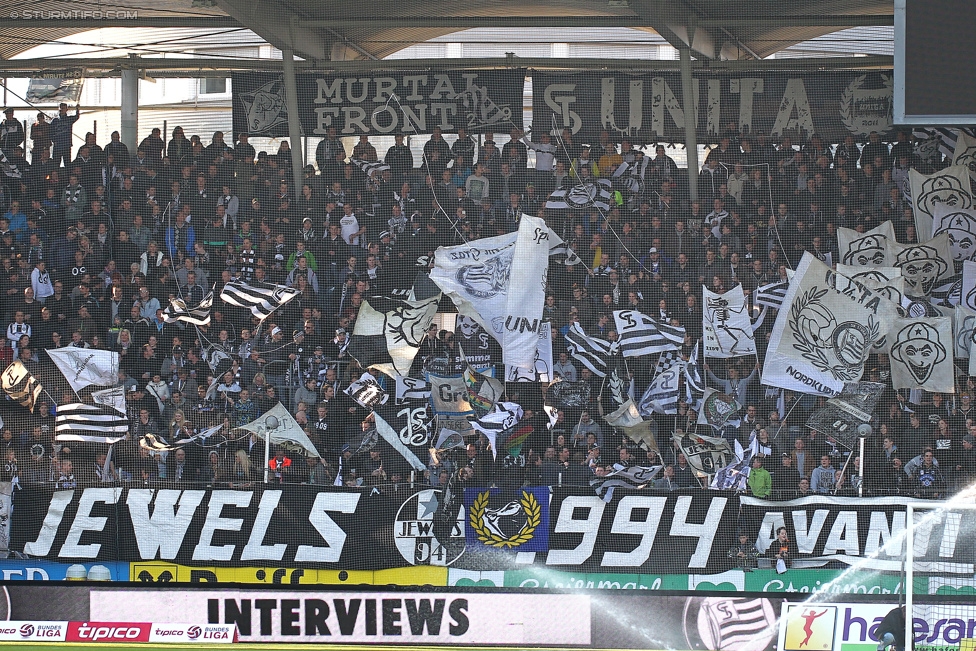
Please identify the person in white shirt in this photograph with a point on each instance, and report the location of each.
(41, 282)
(17, 329)
(351, 229)
(545, 152)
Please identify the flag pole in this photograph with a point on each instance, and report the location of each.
(267, 455)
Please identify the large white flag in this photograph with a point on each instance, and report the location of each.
(921, 354)
(868, 249)
(825, 331)
(83, 367)
(949, 187)
(726, 327)
(965, 153)
(280, 425)
(924, 264)
(389, 332)
(543, 361)
(963, 320)
(960, 225)
(500, 283)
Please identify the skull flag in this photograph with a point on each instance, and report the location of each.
(726, 325)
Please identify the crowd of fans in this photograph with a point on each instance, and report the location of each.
(96, 240)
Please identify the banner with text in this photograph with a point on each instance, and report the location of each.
(386, 103)
(648, 108)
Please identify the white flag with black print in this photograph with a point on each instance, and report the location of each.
(949, 187)
(411, 388)
(921, 354)
(826, 330)
(640, 335)
(591, 352)
(199, 314)
(694, 383)
(960, 225)
(503, 416)
(261, 298)
(113, 397)
(500, 283)
(726, 326)
(923, 265)
(366, 391)
(771, 295)
(594, 193)
(964, 153)
(389, 332)
(868, 249)
(83, 367)
(89, 423)
(963, 322)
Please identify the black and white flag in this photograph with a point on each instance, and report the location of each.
(389, 332)
(771, 295)
(368, 168)
(592, 352)
(726, 326)
(661, 396)
(261, 298)
(410, 388)
(90, 423)
(177, 310)
(641, 335)
(631, 477)
(503, 416)
(595, 193)
(949, 187)
(694, 384)
(366, 391)
(921, 354)
(10, 170)
(20, 385)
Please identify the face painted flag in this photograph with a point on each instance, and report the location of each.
(868, 249)
(921, 354)
(949, 186)
(923, 265)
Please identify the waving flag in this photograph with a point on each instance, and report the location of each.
(83, 367)
(261, 298)
(592, 352)
(198, 315)
(771, 295)
(20, 385)
(596, 193)
(641, 335)
(90, 423)
(389, 332)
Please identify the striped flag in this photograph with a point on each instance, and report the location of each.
(596, 193)
(198, 315)
(771, 295)
(261, 298)
(370, 169)
(694, 384)
(631, 477)
(90, 423)
(661, 396)
(503, 416)
(641, 335)
(10, 170)
(20, 385)
(593, 353)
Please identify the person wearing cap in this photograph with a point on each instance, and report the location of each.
(11, 132)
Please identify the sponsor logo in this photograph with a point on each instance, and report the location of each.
(810, 627)
(108, 632)
(193, 632)
(27, 630)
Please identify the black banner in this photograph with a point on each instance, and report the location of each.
(383, 103)
(649, 108)
(855, 530)
(646, 531)
(299, 525)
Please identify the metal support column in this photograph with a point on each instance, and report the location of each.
(130, 109)
(691, 122)
(294, 123)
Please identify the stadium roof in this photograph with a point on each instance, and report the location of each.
(324, 31)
